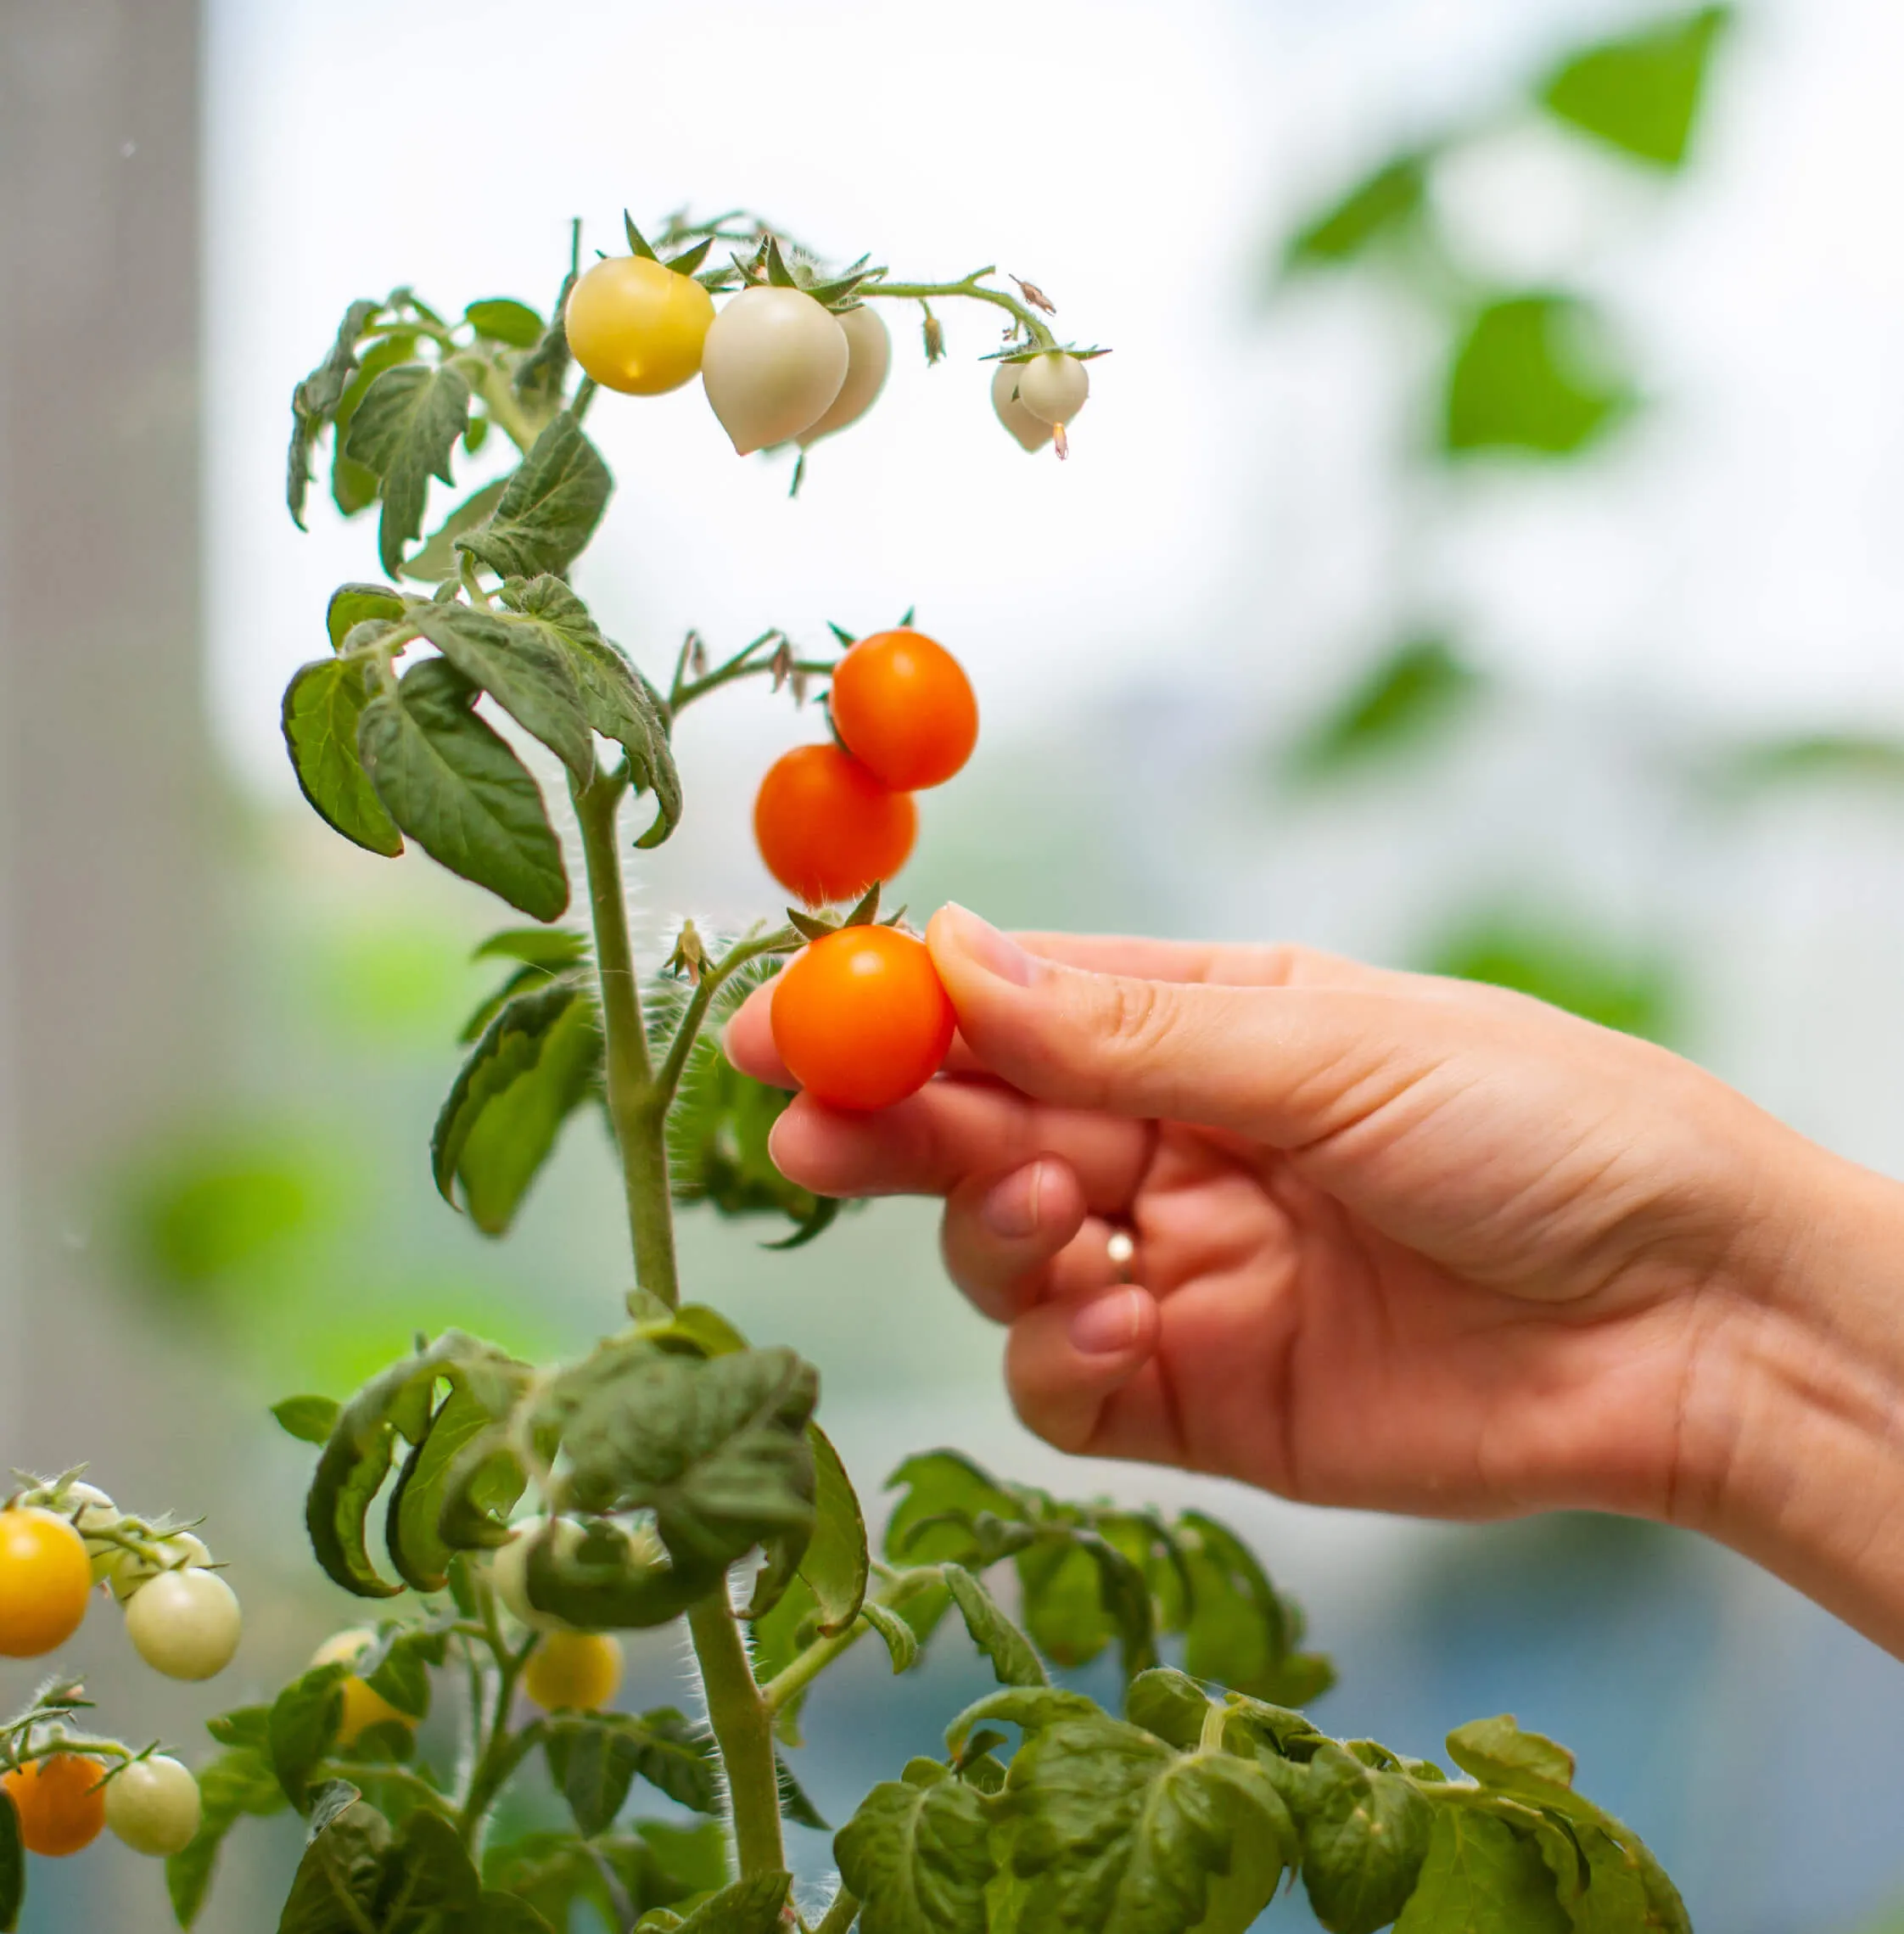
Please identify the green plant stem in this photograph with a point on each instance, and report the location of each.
(972, 287)
(804, 1667)
(811, 668)
(743, 1729)
(840, 1915)
(640, 1124)
(504, 1750)
(493, 386)
(782, 940)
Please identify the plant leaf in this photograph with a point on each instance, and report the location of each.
(551, 508)
(1641, 94)
(504, 320)
(901, 1641)
(1566, 966)
(1530, 375)
(837, 1562)
(412, 1522)
(437, 560)
(355, 604)
(13, 1866)
(310, 1419)
(323, 708)
(1498, 1753)
(749, 1907)
(994, 1635)
(303, 1726)
(404, 429)
(314, 401)
(459, 793)
(1481, 1877)
(1388, 199)
(429, 1884)
(538, 1060)
(919, 1859)
(1365, 1835)
(235, 1783)
(1414, 694)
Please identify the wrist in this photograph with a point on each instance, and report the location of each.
(1790, 1449)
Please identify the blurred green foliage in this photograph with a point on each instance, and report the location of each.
(1389, 200)
(1557, 960)
(1533, 373)
(1410, 697)
(1641, 94)
(220, 1205)
(1810, 758)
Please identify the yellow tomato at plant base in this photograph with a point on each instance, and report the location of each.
(363, 1706)
(59, 1801)
(575, 1672)
(636, 326)
(45, 1575)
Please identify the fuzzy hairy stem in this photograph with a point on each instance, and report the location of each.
(743, 1729)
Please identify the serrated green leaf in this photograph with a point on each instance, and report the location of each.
(235, 1783)
(521, 669)
(428, 1884)
(1170, 1704)
(245, 1725)
(437, 560)
(902, 1642)
(354, 484)
(1235, 1634)
(314, 401)
(459, 793)
(919, 1859)
(1481, 1877)
(1388, 200)
(303, 1727)
(1365, 1835)
(1641, 94)
(836, 1563)
(323, 709)
(502, 319)
(616, 700)
(945, 1491)
(538, 1060)
(412, 1523)
(310, 1419)
(593, 1758)
(1498, 1753)
(550, 510)
(404, 429)
(1010, 1651)
(1114, 1832)
(398, 1668)
(1064, 1602)
(1031, 1707)
(1532, 375)
(1415, 694)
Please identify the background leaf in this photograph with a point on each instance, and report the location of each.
(1481, 1877)
(404, 429)
(502, 319)
(1560, 962)
(1375, 208)
(919, 1859)
(549, 512)
(1531, 375)
(1641, 94)
(1416, 693)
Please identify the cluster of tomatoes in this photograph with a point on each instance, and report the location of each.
(778, 365)
(860, 1017)
(58, 1545)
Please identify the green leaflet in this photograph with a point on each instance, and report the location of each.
(323, 707)
(1414, 695)
(1115, 1833)
(1364, 1837)
(397, 1668)
(902, 1642)
(236, 1783)
(437, 560)
(354, 484)
(945, 1492)
(314, 401)
(458, 790)
(311, 1420)
(616, 700)
(524, 671)
(551, 508)
(504, 320)
(716, 1447)
(594, 1758)
(919, 1858)
(537, 1061)
(1482, 1877)
(1641, 94)
(836, 1563)
(412, 1522)
(1237, 1631)
(509, 1914)
(342, 1863)
(355, 604)
(302, 1728)
(1531, 376)
(1498, 1753)
(404, 429)
(994, 1635)
(1391, 198)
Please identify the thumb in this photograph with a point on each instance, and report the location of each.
(1285, 1065)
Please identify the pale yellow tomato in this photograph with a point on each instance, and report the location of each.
(575, 1672)
(636, 326)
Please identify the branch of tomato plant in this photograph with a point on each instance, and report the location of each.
(742, 1725)
(804, 1667)
(972, 287)
(505, 1750)
(745, 664)
(840, 1914)
(668, 1077)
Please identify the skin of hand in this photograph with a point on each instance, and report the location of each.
(1403, 1244)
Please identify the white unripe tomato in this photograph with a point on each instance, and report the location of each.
(154, 1807)
(1031, 432)
(185, 1625)
(773, 363)
(180, 1551)
(868, 356)
(1053, 387)
(91, 1510)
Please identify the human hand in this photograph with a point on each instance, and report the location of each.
(1402, 1243)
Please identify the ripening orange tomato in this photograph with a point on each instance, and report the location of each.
(905, 707)
(45, 1576)
(861, 1018)
(827, 829)
(60, 1803)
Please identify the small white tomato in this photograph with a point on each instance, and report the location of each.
(508, 1568)
(773, 363)
(154, 1807)
(1053, 387)
(180, 1551)
(92, 1510)
(1032, 432)
(186, 1624)
(868, 356)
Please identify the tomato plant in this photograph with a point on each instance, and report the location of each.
(675, 1474)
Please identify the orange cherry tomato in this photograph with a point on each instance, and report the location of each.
(45, 1577)
(60, 1803)
(827, 829)
(860, 1017)
(905, 707)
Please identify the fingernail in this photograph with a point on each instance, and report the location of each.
(1010, 1209)
(988, 947)
(1109, 1326)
